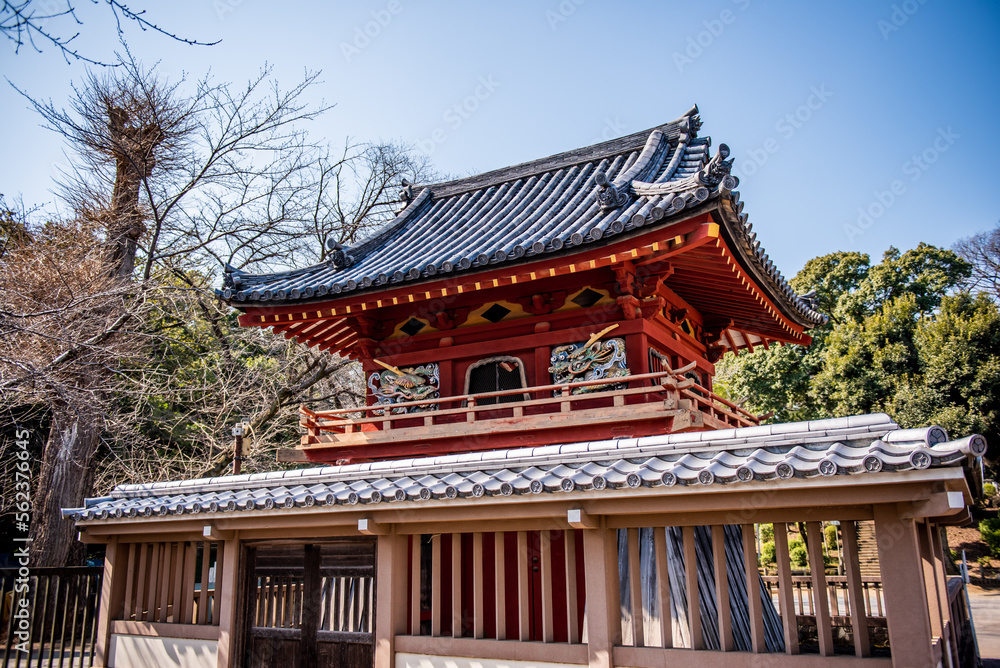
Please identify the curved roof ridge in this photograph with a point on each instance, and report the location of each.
(671, 131)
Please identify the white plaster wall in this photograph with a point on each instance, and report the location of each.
(428, 661)
(155, 652)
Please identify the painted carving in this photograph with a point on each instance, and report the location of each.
(591, 360)
(395, 385)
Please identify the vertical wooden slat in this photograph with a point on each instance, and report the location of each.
(220, 571)
(635, 587)
(930, 581)
(165, 572)
(501, 584)
(691, 582)
(203, 591)
(456, 585)
(786, 597)
(523, 590)
(663, 587)
(152, 582)
(478, 606)
(821, 606)
(937, 552)
(177, 578)
(545, 553)
(436, 585)
(722, 588)
(572, 612)
(187, 598)
(130, 581)
(140, 575)
(755, 610)
(859, 613)
(416, 543)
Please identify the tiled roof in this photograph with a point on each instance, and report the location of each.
(553, 205)
(858, 445)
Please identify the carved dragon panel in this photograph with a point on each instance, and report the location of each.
(590, 360)
(395, 385)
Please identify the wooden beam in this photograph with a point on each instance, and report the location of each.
(603, 602)
(691, 583)
(227, 591)
(852, 567)
(755, 609)
(821, 601)
(786, 599)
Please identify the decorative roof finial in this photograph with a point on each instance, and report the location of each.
(608, 196)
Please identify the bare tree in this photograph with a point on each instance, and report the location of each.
(38, 24)
(983, 252)
(169, 186)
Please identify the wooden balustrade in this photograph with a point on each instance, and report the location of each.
(659, 402)
(172, 582)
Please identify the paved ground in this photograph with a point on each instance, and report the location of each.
(986, 615)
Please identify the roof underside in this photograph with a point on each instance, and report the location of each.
(557, 205)
(820, 449)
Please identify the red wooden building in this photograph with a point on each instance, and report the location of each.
(542, 472)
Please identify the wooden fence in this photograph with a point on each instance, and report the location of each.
(53, 620)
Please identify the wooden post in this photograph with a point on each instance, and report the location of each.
(545, 556)
(903, 587)
(691, 580)
(499, 544)
(112, 598)
(821, 601)
(663, 587)
(937, 552)
(478, 606)
(436, 582)
(390, 584)
(722, 588)
(603, 603)
(456, 585)
(572, 615)
(226, 593)
(523, 590)
(635, 588)
(859, 613)
(416, 541)
(755, 610)
(786, 597)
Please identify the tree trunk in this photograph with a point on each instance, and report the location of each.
(66, 478)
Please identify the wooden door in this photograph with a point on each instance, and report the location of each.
(311, 604)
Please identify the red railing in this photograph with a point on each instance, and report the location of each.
(669, 390)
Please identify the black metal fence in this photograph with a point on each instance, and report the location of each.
(50, 617)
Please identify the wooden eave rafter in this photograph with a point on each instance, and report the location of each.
(328, 325)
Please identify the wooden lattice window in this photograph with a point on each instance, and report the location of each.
(494, 374)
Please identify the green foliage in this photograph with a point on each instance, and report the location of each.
(767, 553)
(900, 340)
(990, 530)
(989, 490)
(830, 534)
(766, 532)
(797, 553)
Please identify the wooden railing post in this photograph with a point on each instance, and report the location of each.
(112, 599)
(905, 596)
(390, 582)
(603, 602)
(226, 593)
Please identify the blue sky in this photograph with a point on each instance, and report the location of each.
(854, 125)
